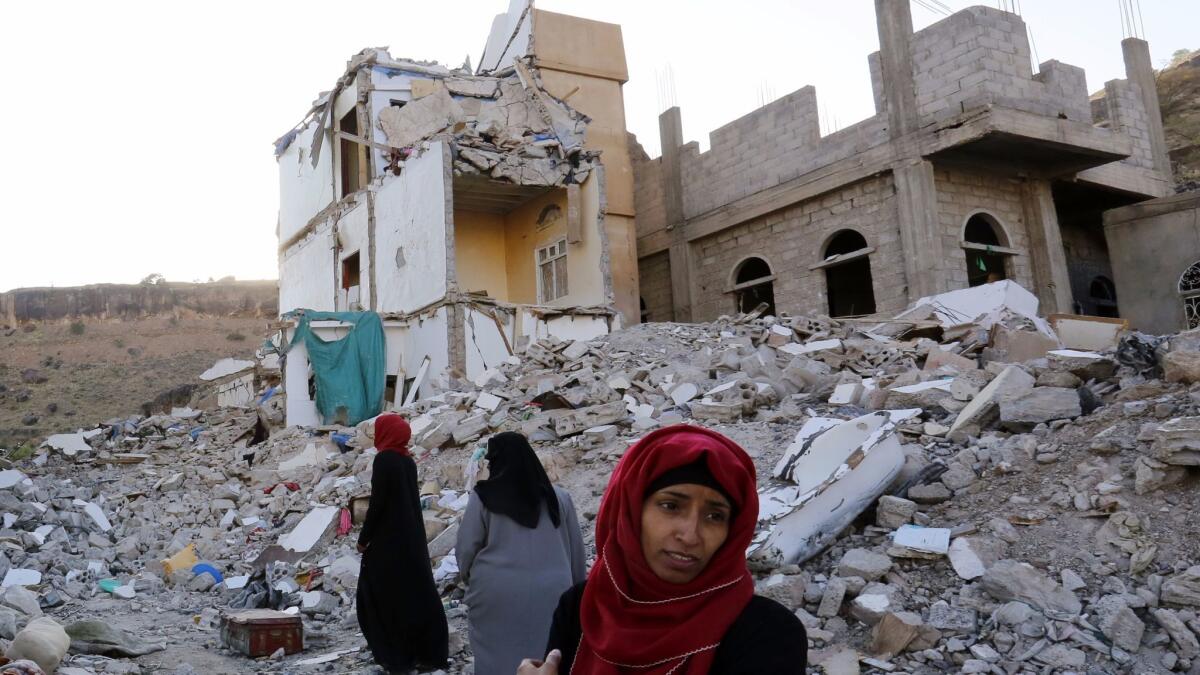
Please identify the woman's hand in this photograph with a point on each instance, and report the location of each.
(361, 548)
(547, 667)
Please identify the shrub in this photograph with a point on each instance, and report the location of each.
(77, 328)
(235, 336)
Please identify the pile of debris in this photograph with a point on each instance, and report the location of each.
(967, 487)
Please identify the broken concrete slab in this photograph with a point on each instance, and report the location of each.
(224, 368)
(420, 119)
(1177, 442)
(315, 525)
(576, 421)
(1119, 623)
(69, 445)
(861, 562)
(1040, 405)
(985, 407)
(839, 473)
(1012, 580)
(1183, 589)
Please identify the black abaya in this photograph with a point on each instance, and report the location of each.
(398, 606)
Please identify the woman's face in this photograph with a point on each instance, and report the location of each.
(682, 527)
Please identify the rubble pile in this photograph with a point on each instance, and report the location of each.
(963, 488)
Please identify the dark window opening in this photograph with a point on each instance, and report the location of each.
(984, 266)
(846, 241)
(350, 271)
(645, 313)
(1104, 297)
(397, 103)
(751, 295)
(389, 389)
(848, 284)
(350, 157)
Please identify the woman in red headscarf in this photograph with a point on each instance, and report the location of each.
(670, 591)
(397, 602)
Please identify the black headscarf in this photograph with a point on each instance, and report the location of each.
(517, 484)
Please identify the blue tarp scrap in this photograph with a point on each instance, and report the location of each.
(351, 372)
(266, 395)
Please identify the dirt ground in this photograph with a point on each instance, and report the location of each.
(106, 368)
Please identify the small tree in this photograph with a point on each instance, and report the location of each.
(153, 279)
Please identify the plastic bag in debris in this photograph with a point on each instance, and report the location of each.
(1140, 352)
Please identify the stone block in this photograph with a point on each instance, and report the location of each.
(892, 512)
(860, 562)
(576, 421)
(1012, 382)
(1181, 366)
(1012, 580)
(1040, 405)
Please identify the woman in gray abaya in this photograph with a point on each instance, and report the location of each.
(519, 547)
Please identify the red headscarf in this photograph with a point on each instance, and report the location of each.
(634, 622)
(392, 434)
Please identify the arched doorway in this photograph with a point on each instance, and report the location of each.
(981, 235)
(848, 281)
(753, 284)
(1103, 293)
(1189, 292)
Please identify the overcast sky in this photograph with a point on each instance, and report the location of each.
(137, 135)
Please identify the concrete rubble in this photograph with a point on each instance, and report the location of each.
(974, 515)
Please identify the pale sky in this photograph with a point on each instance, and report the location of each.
(137, 135)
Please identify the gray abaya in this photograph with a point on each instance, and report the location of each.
(514, 577)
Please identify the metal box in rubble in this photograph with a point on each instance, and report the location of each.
(260, 632)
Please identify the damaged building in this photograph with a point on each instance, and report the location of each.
(973, 169)
(472, 211)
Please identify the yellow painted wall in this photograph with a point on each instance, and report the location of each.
(522, 239)
(480, 253)
(583, 62)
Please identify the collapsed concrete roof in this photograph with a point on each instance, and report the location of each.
(504, 126)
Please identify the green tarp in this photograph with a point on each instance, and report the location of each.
(351, 372)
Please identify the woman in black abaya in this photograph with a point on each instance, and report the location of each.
(399, 610)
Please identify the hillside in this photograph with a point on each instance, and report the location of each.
(1179, 97)
(58, 376)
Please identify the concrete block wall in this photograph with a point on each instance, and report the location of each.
(750, 153)
(648, 201)
(961, 193)
(1127, 115)
(654, 275)
(794, 239)
(981, 56)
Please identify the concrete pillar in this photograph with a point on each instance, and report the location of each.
(893, 19)
(670, 131)
(1051, 279)
(1138, 69)
(920, 232)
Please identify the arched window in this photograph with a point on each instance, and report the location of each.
(1103, 293)
(986, 248)
(1189, 291)
(848, 281)
(753, 285)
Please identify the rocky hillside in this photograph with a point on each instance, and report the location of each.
(153, 297)
(1179, 97)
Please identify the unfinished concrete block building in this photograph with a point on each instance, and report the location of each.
(471, 210)
(973, 169)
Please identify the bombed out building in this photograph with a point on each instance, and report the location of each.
(473, 210)
(973, 169)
